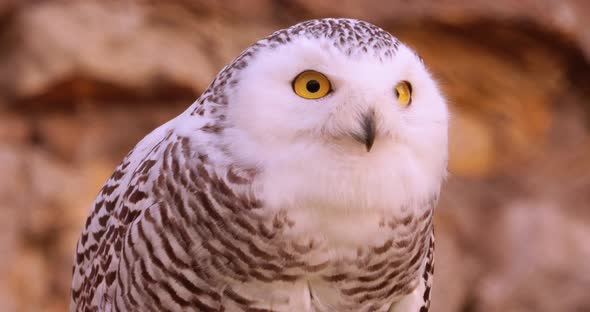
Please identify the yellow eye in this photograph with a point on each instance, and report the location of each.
(403, 92)
(311, 85)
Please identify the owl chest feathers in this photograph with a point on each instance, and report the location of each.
(336, 241)
(346, 234)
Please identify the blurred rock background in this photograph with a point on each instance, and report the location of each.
(82, 81)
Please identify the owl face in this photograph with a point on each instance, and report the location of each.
(320, 114)
(309, 92)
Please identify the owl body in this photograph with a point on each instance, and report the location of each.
(257, 198)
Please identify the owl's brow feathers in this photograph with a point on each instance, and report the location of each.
(351, 37)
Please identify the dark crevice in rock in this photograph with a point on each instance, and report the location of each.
(470, 303)
(66, 95)
(36, 137)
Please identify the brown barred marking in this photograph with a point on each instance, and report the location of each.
(428, 275)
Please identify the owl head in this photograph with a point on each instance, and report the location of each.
(335, 100)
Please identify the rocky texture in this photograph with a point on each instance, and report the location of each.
(82, 82)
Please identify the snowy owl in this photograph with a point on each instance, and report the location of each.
(303, 179)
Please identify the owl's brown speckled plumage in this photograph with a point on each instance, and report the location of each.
(184, 223)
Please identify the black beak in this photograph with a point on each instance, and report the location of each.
(368, 129)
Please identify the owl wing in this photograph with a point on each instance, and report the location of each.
(120, 201)
(150, 225)
(419, 299)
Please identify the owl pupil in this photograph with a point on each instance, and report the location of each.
(313, 86)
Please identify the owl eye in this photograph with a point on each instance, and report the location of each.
(311, 84)
(403, 93)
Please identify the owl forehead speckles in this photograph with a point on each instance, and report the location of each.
(349, 36)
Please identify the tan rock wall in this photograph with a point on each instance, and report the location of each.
(82, 81)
